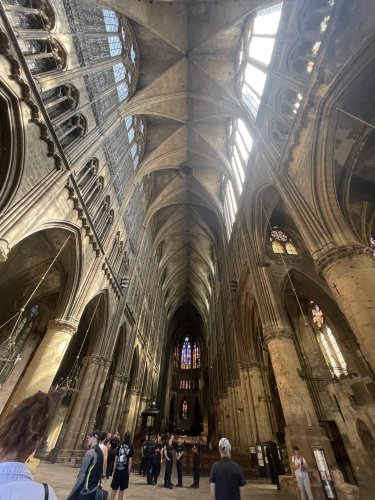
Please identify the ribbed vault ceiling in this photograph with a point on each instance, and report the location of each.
(186, 93)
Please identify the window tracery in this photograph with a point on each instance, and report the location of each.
(256, 48)
(30, 14)
(43, 55)
(123, 149)
(71, 130)
(186, 355)
(239, 148)
(60, 100)
(327, 342)
(281, 243)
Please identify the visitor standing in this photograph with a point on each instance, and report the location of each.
(179, 464)
(168, 454)
(90, 472)
(300, 467)
(196, 466)
(226, 478)
(122, 467)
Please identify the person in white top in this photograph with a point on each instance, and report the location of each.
(104, 448)
(20, 435)
(300, 467)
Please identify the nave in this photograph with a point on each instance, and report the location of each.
(62, 477)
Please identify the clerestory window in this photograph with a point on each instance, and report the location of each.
(255, 52)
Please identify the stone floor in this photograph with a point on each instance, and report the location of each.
(62, 477)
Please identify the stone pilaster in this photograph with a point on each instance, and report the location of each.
(118, 415)
(261, 403)
(248, 407)
(43, 367)
(295, 399)
(350, 273)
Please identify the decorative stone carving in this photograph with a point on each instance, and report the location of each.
(62, 325)
(338, 253)
(4, 249)
(270, 334)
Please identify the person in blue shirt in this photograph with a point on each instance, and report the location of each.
(21, 432)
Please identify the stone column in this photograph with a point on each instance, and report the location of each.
(131, 409)
(82, 408)
(120, 406)
(135, 412)
(350, 274)
(113, 399)
(295, 399)
(104, 365)
(43, 367)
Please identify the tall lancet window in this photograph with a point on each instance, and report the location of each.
(186, 364)
(186, 354)
(195, 352)
(328, 344)
(184, 410)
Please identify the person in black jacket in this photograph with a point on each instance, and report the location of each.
(196, 466)
(168, 454)
(113, 444)
(90, 472)
(179, 464)
(157, 459)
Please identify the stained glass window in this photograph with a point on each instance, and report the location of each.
(186, 354)
(328, 344)
(184, 410)
(119, 72)
(184, 384)
(317, 316)
(281, 243)
(115, 46)
(131, 134)
(132, 54)
(196, 356)
(122, 91)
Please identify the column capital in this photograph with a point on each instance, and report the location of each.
(325, 258)
(272, 333)
(62, 325)
(4, 249)
(254, 364)
(120, 376)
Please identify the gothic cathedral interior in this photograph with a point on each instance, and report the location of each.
(187, 221)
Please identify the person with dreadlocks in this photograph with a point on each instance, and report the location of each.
(21, 432)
